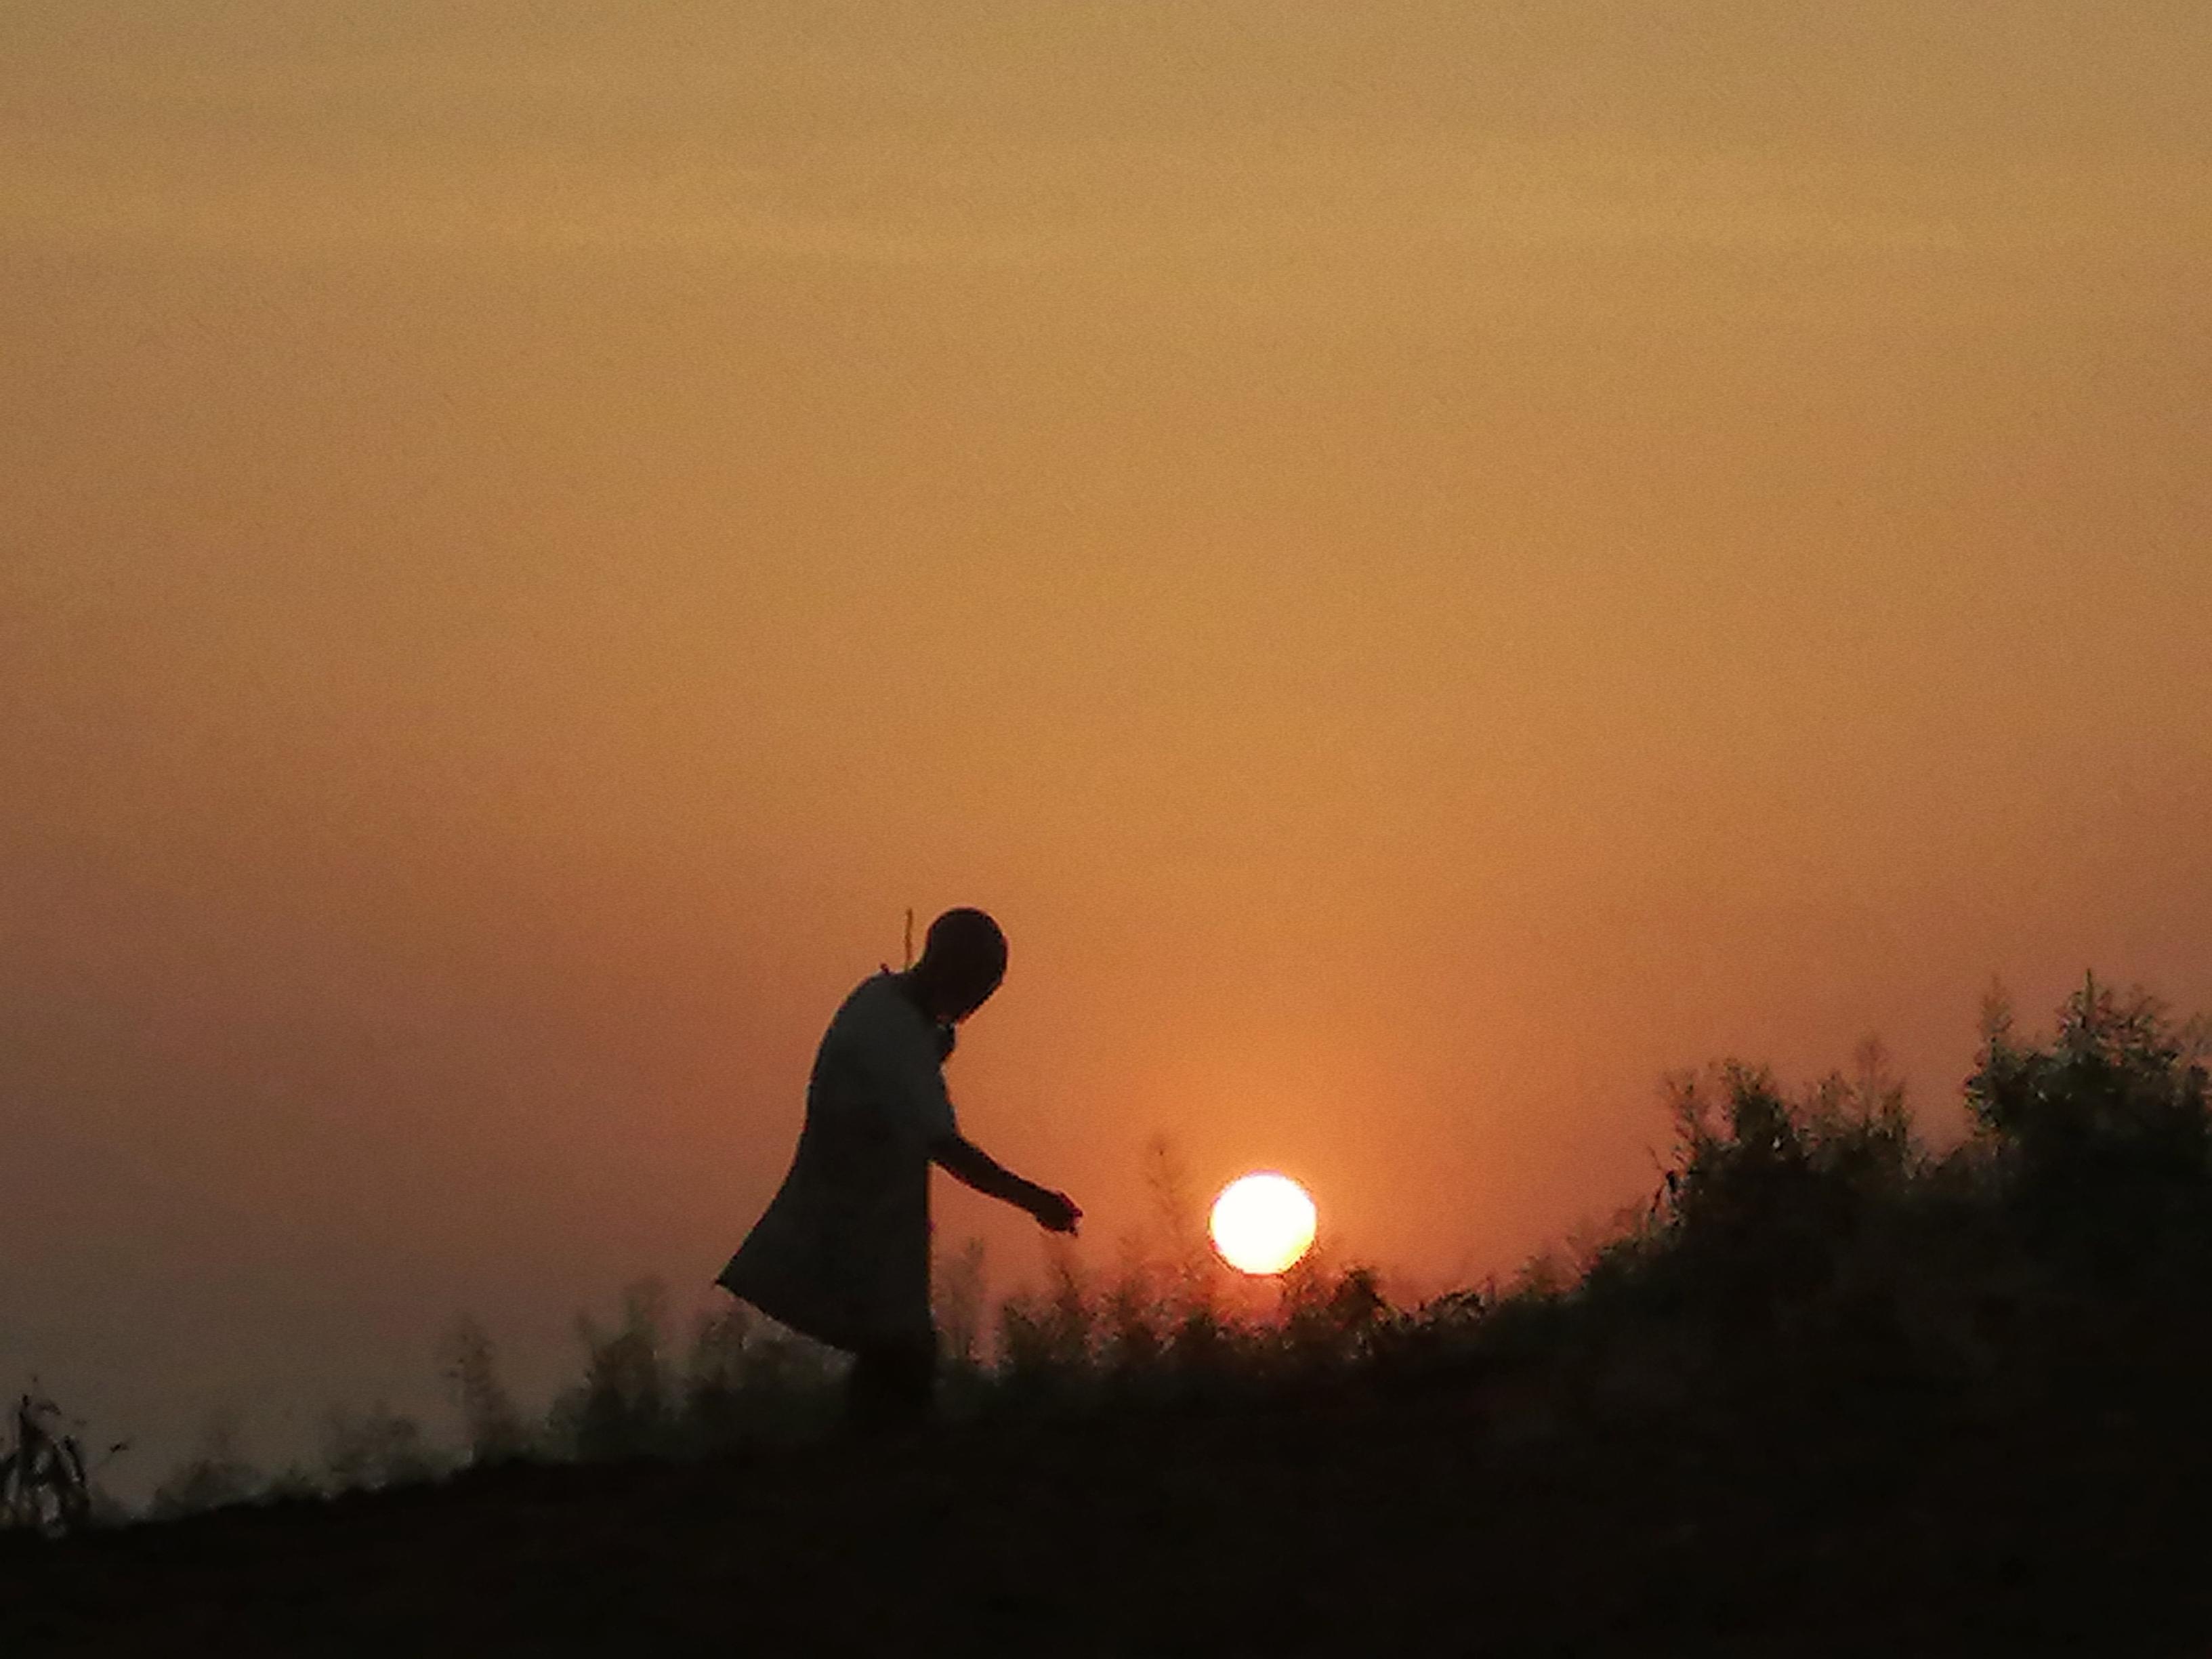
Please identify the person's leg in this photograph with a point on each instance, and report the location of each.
(893, 1385)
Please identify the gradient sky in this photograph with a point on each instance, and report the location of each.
(1432, 562)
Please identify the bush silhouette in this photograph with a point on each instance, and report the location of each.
(493, 1427)
(2099, 1139)
(217, 1473)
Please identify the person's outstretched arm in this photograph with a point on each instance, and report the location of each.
(971, 1166)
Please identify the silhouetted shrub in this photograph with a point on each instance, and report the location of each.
(960, 1284)
(493, 1427)
(2098, 1139)
(1046, 1339)
(364, 1451)
(626, 1404)
(1770, 1193)
(216, 1474)
(1134, 1317)
(45, 1485)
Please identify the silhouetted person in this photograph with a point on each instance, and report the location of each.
(843, 1252)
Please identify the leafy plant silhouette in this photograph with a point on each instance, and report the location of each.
(43, 1485)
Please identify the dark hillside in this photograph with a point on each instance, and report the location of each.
(1831, 1395)
(1842, 1517)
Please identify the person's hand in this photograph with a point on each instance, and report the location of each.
(1055, 1211)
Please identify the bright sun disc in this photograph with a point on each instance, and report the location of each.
(1262, 1223)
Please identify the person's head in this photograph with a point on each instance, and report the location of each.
(962, 960)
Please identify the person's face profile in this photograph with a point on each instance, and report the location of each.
(968, 999)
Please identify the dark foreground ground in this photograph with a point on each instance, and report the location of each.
(1449, 1517)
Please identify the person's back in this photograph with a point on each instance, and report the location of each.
(842, 1252)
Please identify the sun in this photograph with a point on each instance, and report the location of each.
(1262, 1223)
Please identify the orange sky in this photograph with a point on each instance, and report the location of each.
(1431, 561)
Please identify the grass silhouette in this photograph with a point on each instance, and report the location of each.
(1829, 1389)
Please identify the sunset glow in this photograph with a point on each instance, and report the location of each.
(1433, 564)
(1262, 1224)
